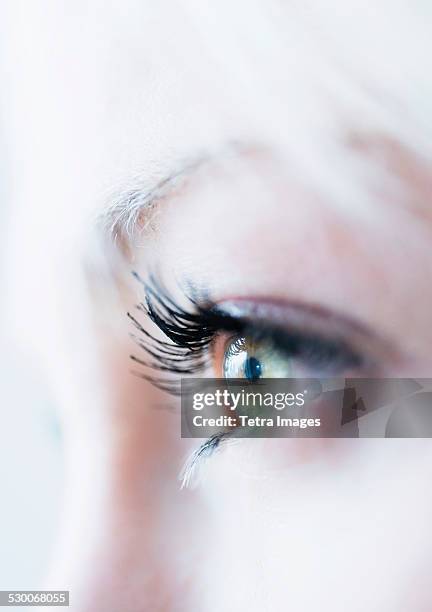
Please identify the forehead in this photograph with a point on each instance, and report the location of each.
(193, 74)
(144, 84)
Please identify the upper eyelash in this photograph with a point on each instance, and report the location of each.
(190, 333)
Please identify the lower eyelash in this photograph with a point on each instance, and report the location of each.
(203, 452)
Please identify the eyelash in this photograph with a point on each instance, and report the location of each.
(192, 332)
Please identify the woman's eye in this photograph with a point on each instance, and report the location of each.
(254, 359)
(232, 341)
(281, 355)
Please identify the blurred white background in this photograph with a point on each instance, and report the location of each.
(30, 448)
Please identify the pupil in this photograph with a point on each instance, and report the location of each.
(252, 368)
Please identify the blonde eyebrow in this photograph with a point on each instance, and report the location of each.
(140, 196)
(412, 172)
(132, 206)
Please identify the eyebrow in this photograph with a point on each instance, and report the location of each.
(132, 205)
(141, 195)
(411, 170)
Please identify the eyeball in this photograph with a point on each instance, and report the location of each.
(254, 359)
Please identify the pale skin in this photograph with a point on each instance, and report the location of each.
(274, 524)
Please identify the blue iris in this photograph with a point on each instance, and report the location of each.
(252, 368)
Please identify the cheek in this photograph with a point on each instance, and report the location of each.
(275, 533)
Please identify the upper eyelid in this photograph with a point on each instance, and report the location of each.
(281, 335)
(313, 320)
(285, 313)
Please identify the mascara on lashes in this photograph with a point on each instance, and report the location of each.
(190, 334)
